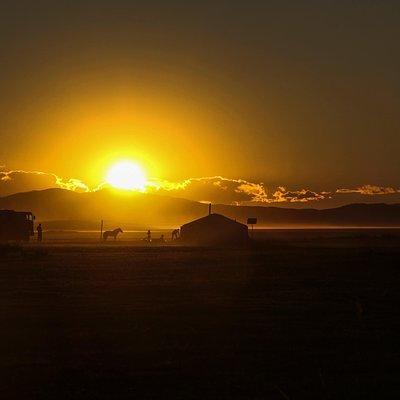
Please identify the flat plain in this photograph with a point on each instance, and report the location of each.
(296, 315)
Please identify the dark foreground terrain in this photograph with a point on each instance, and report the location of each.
(284, 320)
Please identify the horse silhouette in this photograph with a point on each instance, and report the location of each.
(113, 233)
(175, 234)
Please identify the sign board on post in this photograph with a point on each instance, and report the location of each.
(252, 222)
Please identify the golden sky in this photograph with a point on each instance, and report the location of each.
(296, 94)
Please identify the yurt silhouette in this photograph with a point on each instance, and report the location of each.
(214, 229)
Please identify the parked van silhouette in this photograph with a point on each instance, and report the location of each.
(16, 225)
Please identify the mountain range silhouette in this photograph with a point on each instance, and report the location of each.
(66, 209)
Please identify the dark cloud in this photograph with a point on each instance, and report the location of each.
(215, 189)
(22, 181)
(218, 189)
(298, 196)
(370, 190)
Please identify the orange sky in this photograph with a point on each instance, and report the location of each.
(296, 94)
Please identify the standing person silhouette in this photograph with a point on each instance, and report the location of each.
(39, 233)
(149, 236)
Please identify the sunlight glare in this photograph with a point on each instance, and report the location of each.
(127, 175)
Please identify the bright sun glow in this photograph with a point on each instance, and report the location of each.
(126, 175)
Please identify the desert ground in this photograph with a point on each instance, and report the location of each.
(299, 314)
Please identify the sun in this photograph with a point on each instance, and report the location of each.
(127, 175)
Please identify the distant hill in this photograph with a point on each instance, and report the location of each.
(71, 210)
(352, 215)
(78, 210)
